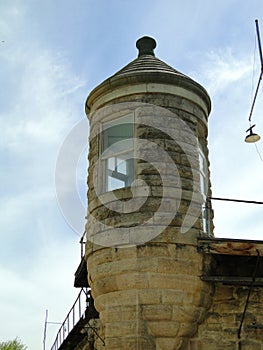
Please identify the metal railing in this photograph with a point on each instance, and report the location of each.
(82, 244)
(75, 314)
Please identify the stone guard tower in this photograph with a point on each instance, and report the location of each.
(147, 205)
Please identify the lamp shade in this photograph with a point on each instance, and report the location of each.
(251, 138)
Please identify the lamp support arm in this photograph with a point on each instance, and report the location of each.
(261, 71)
(259, 45)
(255, 96)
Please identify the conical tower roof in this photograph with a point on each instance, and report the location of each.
(146, 61)
(147, 68)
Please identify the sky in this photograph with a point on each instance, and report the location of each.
(52, 54)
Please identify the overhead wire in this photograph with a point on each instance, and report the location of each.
(235, 200)
(258, 152)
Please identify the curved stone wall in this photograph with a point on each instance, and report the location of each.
(144, 268)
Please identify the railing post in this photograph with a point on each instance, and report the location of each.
(73, 316)
(81, 245)
(80, 304)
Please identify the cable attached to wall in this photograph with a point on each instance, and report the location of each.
(247, 300)
(235, 200)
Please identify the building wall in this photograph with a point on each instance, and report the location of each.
(220, 329)
(231, 317)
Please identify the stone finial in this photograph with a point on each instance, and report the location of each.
(146, 45)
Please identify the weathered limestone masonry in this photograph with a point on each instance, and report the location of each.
(219, 331)
(147, 286)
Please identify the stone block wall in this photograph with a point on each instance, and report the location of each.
(143, 265)
(152, 296)
(221, 327)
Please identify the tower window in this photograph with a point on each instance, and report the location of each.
(117, 153)
(204, 190)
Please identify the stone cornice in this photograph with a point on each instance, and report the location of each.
(148, 82)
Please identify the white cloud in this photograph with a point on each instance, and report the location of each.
(25, 299)
(43, 107)
(41, 101)
(236, 168)
(11, 19)
(222, 68)
(44, 110)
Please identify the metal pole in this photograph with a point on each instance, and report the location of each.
(45, 331)
(255, 96)
(259, 45)
(261, 71)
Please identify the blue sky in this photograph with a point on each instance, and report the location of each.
(52, 53)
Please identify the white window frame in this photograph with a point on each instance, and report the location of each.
(104, 170)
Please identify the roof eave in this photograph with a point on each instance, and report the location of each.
(147, 77)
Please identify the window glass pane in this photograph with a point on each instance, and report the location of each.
(203, 175)
(201, 161)
(202, 185)
(114, 184)
(117, 167)
(116, 131)
(111, 163)
(119, 172)
(121, 166)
